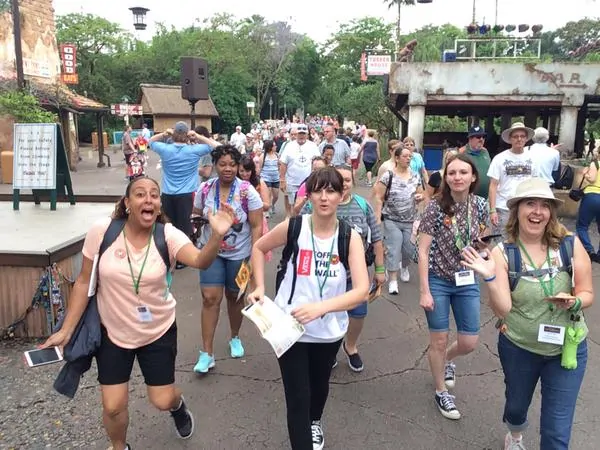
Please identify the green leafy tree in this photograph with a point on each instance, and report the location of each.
(24, 107)
(98, 41)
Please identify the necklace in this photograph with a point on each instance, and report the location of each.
(547, 287)
(328, 264)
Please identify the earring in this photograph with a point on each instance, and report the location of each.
(127, 211)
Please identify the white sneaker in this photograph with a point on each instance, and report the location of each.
(317, 435)
(393, 287)
(511, 443)
(404, 275)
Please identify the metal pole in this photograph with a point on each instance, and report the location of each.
(18, 47)
(474, 15)
(398, 31)
(193, 114)
(496, 19)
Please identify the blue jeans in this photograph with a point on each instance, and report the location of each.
(560, 387)
(589, 210)
(465, 302)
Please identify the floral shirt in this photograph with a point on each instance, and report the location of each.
(444, 255)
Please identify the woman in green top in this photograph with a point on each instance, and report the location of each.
(542, 327)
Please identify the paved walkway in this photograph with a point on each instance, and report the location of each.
(240, 405)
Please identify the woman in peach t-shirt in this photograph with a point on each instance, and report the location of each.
(136, 307)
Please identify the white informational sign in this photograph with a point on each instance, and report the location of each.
(34, 164)
(250, 104)
(378, 64)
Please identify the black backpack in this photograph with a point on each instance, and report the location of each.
(515, 263)
(291, 250)
(117, 225)
(563, 177)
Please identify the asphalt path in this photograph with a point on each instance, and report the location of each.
(240, 403)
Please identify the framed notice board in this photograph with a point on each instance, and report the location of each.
(40, 163)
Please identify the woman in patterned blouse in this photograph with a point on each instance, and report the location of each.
(453, 220)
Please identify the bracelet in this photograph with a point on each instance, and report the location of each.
(576, 306)
(492, 278)
(379, 269)
(492, 210)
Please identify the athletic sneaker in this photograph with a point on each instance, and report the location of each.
(404, 275)
(184, 421)
(510, 443)
(445, 403)
(450, 375)
(205, 362)
(236, 347)
(354, 361)
(393, 287)
(317, 435)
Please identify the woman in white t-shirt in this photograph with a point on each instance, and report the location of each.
(319, 302)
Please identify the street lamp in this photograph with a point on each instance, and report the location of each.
(270, 108)
(139, 17)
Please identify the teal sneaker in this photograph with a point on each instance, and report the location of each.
(236, 347)
(204, 363)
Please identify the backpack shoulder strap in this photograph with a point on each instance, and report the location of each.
(344, 236)
(362, 203)
(513, 258)
(244, 195)
(566, 252)
(206, 186)
(388, 186)
(111, 234)
(291, 250)
(160, 242)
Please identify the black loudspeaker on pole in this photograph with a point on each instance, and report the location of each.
(194, 83)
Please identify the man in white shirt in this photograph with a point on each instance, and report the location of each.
(238, 138)
(296, 165)
(545, 159)
(506, 171)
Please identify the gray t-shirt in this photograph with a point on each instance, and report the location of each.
(206, 160)
(237, 243)
(341, 151)
(355, 216)
(400, 205)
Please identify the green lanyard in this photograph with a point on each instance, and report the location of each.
(136, 283)
(548, 288)
(460, 244)
(312, 237)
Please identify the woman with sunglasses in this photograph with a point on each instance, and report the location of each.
(235, 249)
(269, 172)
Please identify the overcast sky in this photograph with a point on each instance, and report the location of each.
(319, 19)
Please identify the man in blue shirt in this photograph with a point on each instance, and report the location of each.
(180, 161)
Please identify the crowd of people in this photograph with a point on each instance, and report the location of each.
(476, 222)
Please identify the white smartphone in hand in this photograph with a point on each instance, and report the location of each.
(41, 357)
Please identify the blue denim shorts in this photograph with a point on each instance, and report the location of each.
(360, 311)
(221, 272)
(465, 302)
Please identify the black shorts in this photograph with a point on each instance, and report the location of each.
(272, 184)
(156, 360)
(368, 165)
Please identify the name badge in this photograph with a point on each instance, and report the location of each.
(94, 276)
(464, 278)
(551, 334)
(144, 314)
